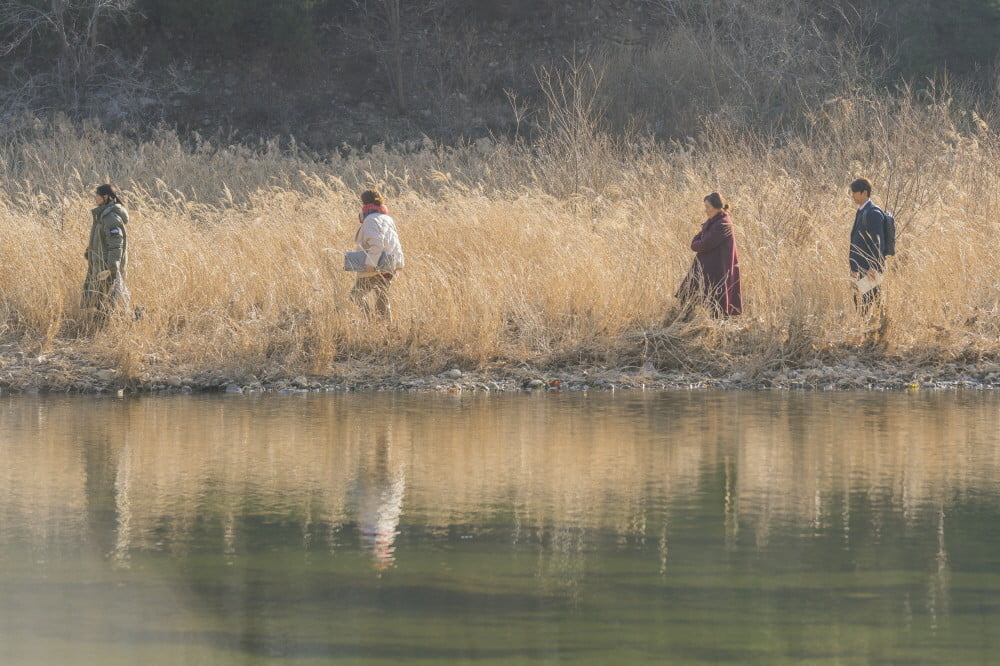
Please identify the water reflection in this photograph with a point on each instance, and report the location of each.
(523, 506)
(378, 491)
(557, 467)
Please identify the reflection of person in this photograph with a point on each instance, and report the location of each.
(104, 290)
(379, 493)
(715, 273)
(868, 245)
(377, 236)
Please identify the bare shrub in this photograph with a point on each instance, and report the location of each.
(761, 62)
(60, 60)
(390, 28)
(573, 146)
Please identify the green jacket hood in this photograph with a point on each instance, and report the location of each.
(114, 206)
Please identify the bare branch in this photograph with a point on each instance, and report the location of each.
(74, 79)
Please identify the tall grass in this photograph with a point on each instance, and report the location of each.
(543, 254)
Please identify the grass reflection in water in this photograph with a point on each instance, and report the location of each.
(674, 527)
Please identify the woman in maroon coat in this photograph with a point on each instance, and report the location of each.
(715, 273)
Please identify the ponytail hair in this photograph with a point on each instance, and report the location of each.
(715, 201)
(109, 192)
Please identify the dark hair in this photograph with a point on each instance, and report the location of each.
(715, 200)
(372, 198)
(109, 192)
(862, 185)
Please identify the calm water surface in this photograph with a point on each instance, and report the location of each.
(668, 528)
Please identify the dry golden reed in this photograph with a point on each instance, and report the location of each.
(564, 251)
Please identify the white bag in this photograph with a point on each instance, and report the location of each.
(866, 284)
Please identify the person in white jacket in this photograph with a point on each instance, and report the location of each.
(378, 239)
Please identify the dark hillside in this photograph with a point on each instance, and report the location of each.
(330, 72)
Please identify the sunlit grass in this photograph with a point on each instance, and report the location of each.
(515, 253)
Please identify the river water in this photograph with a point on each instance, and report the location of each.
(667, 528)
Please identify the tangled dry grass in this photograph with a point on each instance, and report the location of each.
(566, 251)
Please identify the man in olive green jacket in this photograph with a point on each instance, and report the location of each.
(107, 256)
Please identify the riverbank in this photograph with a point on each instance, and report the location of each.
(73, 373)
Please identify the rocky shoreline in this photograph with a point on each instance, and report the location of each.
(67, 374)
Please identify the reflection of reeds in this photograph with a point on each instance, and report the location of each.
(911, 459)
(43, 477)
(554, 466)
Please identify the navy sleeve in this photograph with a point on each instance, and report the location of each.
(874, 223)
(868, 242)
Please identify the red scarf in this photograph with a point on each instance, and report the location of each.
(368, 209)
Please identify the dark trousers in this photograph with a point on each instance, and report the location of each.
(865, 302)
(378, 286)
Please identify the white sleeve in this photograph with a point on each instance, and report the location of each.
(392, 244)
(370, 242)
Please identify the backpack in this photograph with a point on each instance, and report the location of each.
(888, 231)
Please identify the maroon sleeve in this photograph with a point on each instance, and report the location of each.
(712, 237)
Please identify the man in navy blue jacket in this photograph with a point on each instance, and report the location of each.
(868, 243)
